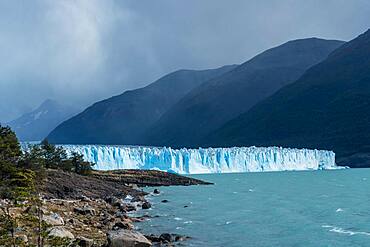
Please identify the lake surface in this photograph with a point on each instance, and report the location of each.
(317, 208)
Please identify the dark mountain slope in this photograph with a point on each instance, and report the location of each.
(327, 108)
(36, 125)
(123, 118)
(209, 106)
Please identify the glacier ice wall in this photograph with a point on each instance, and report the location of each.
(205, 160)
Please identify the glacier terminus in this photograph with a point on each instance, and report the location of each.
(204, 160)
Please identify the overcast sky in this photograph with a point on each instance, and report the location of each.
(81, 51)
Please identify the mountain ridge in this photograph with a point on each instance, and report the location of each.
(326, 109)
(36, 125)
(121, 119)
(213, 103)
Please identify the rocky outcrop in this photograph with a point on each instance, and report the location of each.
(85, 211)
(147, 178)
(71, 186)
(106, 184)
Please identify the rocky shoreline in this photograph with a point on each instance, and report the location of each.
(96, 210)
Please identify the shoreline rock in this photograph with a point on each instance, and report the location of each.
(95, 210)
(125, 238)
(166, 239)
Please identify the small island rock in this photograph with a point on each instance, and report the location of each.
(156, 191)
(146, 205)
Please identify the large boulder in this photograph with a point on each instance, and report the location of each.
(60, 232)
(53, 219)
(126, 238)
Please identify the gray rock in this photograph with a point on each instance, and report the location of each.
(166, 237)
(122, 225)
(156, 191)
(60, 232)
(22, 238)
(114, 201)
(119, 214)
(146, 205)
(130, 207)
(138, 199)
(19, 229)
(85, 242)
(84, 198)
(85, 210)
(126, 238)
(133, 186)
(53, 219)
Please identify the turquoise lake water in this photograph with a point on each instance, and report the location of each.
(315, 208)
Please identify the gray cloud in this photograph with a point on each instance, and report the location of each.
(80, 51)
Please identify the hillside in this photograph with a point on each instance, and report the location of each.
(217, 101)
(122, 119)
(327, 108)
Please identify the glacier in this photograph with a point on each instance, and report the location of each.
(204, 160)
